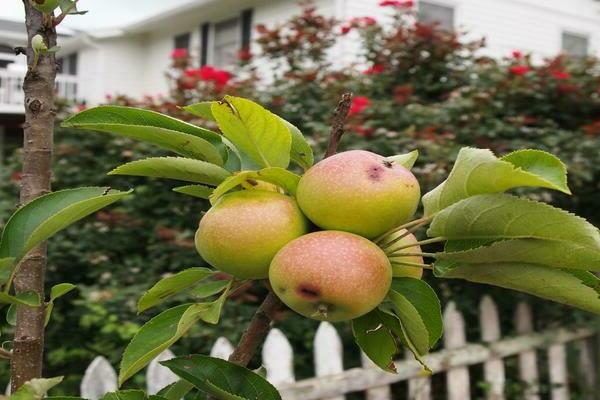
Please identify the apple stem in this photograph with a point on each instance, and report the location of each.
(419, 243)
(418, 222)
(412, 264)
(405, 234)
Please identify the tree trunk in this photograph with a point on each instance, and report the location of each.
(39, 84)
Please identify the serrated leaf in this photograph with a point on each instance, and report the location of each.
(552, 253)
(57, 291)
(183, 169)
(254, 130)
(222, 379)
(200, 191)
(411, 321)
(406, 160)
(479, 171)
(278, 176)
(35, 389)
(120, 115)
(172, 285)
(300, 152)
(125, 395)
(425, 301)
(163, 330)
(209, 288)
(501, 216)
(201, 109)
(575, 288)
(376, 339)
(44, 216)
(29, 299)
(177, 390)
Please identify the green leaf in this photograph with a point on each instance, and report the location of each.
(574, 288)
(553, 253)
(200, 191)
(300, 153)
(57, 291)
(376, 339)
(426, 303)
(125, 395)
(11, 315)
(6, 266)
(70, 6)
(183, 169)
(35, 389)
(479, 171)
(406, 160)
(254, 130)
(46, 215)
(118, 115)
(201, 109)
(172, 285)
(163, 330)
(492, 217)
(209, 288)
(278, 176)
(176, 391)
(29, 299)
(222, 379)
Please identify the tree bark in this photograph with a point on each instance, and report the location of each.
(28, 344)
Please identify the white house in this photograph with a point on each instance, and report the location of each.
(133, 59)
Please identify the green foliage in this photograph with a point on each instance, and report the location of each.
(222, 379)
(406, 160)
(35, 389)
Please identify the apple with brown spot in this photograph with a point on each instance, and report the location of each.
(241, 234)
(360, 192)
(331, 275)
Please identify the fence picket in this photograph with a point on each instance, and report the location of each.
(528, 369)
(457, 379)
(278, 358)
(157, 376)
(99, 378)
(328, 353)
(376, 393)
(587, 368)
(221, 349)
(557, 366)
(493, 370)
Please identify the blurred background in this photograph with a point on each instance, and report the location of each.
(435, 75)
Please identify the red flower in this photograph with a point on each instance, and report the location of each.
(396, 3)
(206, 72)
(374, 70)
(519, 69)
(221, 77)
(179, 53)
(364, 132)
(191, 73)
(345, 29)
(245, 54)
(369, 21)
(517, 54)
(359, 104)
(560, 75)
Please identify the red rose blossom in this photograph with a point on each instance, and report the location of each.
(179, 53)
(359, 104)
(517, 54)
(519, 69)
(396, 3)
(374, 70)
(560, 75)
(345, 29)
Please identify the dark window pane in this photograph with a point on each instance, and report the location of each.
(72, 64)
(574, 44)
(443, 15)
(182, 41)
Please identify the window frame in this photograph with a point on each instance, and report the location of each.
(451, 4)
(213, 35)
(579, 34)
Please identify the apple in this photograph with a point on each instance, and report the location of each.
(331, 275)
(408, 240)
(359, 192)
(241, 234)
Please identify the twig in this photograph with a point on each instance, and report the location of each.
(339, 120)
(5, 354)
(260, 324)
(63, 14)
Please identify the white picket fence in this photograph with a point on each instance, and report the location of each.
(332, 381)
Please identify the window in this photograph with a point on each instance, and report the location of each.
(68, 64)
(227, 42)
(436, 13)
(574, 44)
(182, 41)
(6, 55)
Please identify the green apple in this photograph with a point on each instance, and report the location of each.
(241, 234)
(359, 192)
(331, 275)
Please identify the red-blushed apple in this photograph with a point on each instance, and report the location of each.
(359, 192)
(399, 247)
(241, 234)
(331, 275)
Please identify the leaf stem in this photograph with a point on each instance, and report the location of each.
(412, 264)
(420, 222)
(419, 243)
(432, 255)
